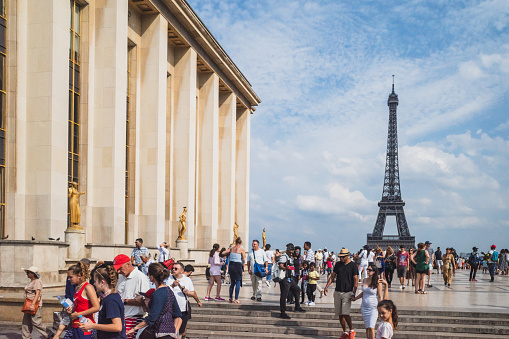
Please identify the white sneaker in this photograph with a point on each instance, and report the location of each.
(267, 283)
(311, 303)
(401, 287)
(307, 303)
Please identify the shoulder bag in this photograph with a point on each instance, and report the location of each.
(259, 270)
(28, 303)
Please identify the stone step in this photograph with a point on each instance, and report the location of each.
(202, 334)
(295, 325)
(311, 314)
(328, 309)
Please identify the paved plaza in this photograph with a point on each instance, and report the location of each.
(462, 296)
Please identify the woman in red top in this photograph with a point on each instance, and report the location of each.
(85, 300)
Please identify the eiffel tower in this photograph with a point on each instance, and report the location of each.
(391, 203)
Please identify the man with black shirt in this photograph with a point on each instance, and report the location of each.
(438, 259)
(286, 263)
(346, 274)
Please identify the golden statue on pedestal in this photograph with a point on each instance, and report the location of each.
(235, 233)
(182, 225)
(264, 238)
(74, 205)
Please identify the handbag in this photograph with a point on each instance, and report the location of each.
(28, 303)
(259, 271)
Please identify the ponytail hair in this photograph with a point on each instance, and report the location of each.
(159, 272)
(107, 274)
(213, 250)
(80, 269)
(389, 306)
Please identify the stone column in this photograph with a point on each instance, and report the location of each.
(242, 155)
(107, 126)
(227, 138)
(184, 140)
(47, 87)
(208, 160)
(151, 130)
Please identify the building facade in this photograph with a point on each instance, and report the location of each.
(137, 103)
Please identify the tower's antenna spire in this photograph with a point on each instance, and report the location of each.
(393, 83)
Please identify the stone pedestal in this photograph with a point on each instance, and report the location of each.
(76, 239)
(183, 246)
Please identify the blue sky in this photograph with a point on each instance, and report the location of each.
(318, 140)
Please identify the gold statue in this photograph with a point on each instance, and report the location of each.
(264, 238)
(74, 205)
(235, 233)
(182, 225)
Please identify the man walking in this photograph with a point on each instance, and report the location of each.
(288, 284)
(319, 260)
(473, 261)
(402, 262)
(130, 283)
(430, 261)
(136, 253)
(182, 288)
(492, 262)
(258, 256)
(346, 275)
(438, 259)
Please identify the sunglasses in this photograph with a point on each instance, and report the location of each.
(370, 270)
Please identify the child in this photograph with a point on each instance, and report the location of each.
(313, 276)
(389, 315)
(110, 322)
(304, 280)
(85, 300)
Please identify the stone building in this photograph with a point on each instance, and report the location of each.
(136, 102)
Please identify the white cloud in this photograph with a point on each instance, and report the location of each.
(323, 71)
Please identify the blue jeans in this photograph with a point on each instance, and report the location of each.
(236, 285)
(269, 275)
(493, 268)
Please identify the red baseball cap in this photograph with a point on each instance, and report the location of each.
(120, 260)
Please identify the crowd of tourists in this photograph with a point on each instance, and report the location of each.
(135, 297)
(127, 297)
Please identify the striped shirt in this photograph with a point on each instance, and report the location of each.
(310, 255)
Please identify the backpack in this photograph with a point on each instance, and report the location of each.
(277, 273)
(472, 259)
(494, 256)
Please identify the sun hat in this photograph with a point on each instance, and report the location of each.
(120, 260)
(344, 252)
(34, 270)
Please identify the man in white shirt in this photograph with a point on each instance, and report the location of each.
(130, 282)
(164, 252)
(325, 256)
(182, 288)
(310, 254)
(257, 255)
(319, 260)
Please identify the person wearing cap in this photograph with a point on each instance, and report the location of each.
(319, 260)
(346, 274)
(431, 254)
(33, 291)
(288, 284)
(131, 282)
(473, 261)
(492, 262)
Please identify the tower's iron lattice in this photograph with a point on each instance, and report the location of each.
(391, 203)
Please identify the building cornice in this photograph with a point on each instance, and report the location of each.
(185, 21)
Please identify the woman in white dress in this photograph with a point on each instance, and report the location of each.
(372, 291)
(363, 257)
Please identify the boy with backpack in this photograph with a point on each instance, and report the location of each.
(473, 261)
(492, 262)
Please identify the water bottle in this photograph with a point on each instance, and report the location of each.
(83, 319)
(66, 302)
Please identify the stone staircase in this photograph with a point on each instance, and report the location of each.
(224, 320)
